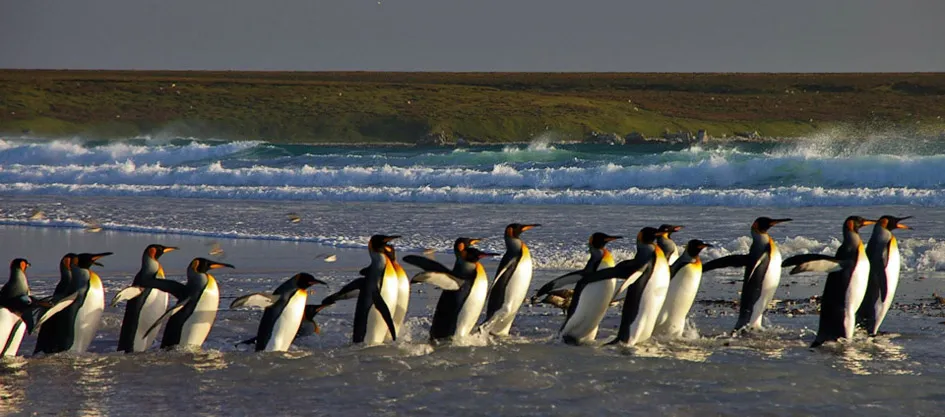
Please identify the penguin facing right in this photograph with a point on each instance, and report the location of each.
(590, 300)
(82, 308)
(48, 338)
(15, 309)
(762, 273)
(665, 242)
(283, 313)
(845, 288)
(685, 277)
(511, 282)
(885, 262)
(464, 289)
(377, 296)
(190, 320)
(147, 305)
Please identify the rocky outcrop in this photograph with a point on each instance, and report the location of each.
(604, 139)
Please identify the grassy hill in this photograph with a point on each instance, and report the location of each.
(486, 107)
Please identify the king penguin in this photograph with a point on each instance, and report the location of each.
(590, 300)
(377, 297)
(685, 277)
(849, 272)
(283, 312)
(647, 280)
(189, 321)
(47, 338)
(511, 282)
(82, 308)
(403, 289)
(464, 289)
(762, 273)
(883, 253)
(16, 305)
(144, 307)
(670, 249)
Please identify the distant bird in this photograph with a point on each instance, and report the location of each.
(93, 227)
(327, 257)
(558, 298)
(215, 249)
(38, 215)
(429, 252)
(294, 218)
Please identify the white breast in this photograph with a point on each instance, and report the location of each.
(287, 325)
(515, 293)
(89, 317)
(377, 330)
(403, 299)
(471, 310)
(892, 282)
(592, 306)
(197, 326)
(9, 321)
(651, 302)
(769, 286)
(856, 291)
(154, 306)
(679, 299)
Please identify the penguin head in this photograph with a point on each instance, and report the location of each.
(472, 254)
(390, 252)
(515, 230)
(86, 260)
(648, 235)
(892, 223)
(598, 240)
(378, 242)
(763, 224)
(695, 246)
(462, 243)
(669, 229)
(304, 280)
(65, 264)
(203, 265)
(19, 264)
(155, 251)
(854, 223)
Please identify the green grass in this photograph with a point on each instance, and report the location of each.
(486, 107)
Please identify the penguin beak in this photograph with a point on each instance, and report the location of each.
(98, 256)
(474, 241)
(705, 245)
(390, 238)
(487, 254)
(612, 238)
(318, 281)
(902, 226)
(529, 226)
(777, 221)
(217, 265)
(868, 222)
(170, 249)
(677, 228)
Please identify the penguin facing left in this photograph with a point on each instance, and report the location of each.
(82, 308)
(377, 296)
(144, 307)
(15, 309)
(848, 276)
(284, 309)
(684, 280)
(511, 282)
(190, 320)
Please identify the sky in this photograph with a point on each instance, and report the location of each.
(476, 35)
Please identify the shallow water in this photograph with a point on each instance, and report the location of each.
(772, 373)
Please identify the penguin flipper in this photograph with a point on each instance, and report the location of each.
(381, 307)
(174, 288)
(426, 264)
(813, 262)
(442, 280)
(349, 291)
(730, 261)
(127, 294)
(570, 278)
(167, 314)
(260, 299)
(60, 305)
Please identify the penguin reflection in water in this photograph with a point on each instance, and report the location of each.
(190, 320)
(845, 288)
(284, 310)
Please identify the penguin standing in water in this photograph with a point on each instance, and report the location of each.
(590, 300)
(684, 280)
(16, 305)
(190, 320)
(511, 282)
(762, 273)
(647, 280)
(82, 308)
(377, 297)
(283, 313)
(403, 289)
(665, 242)
(849, 272)
(48, 334)
(464, 289)
(883, 253)
(144, 307)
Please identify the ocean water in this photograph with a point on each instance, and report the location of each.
(237, 196)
